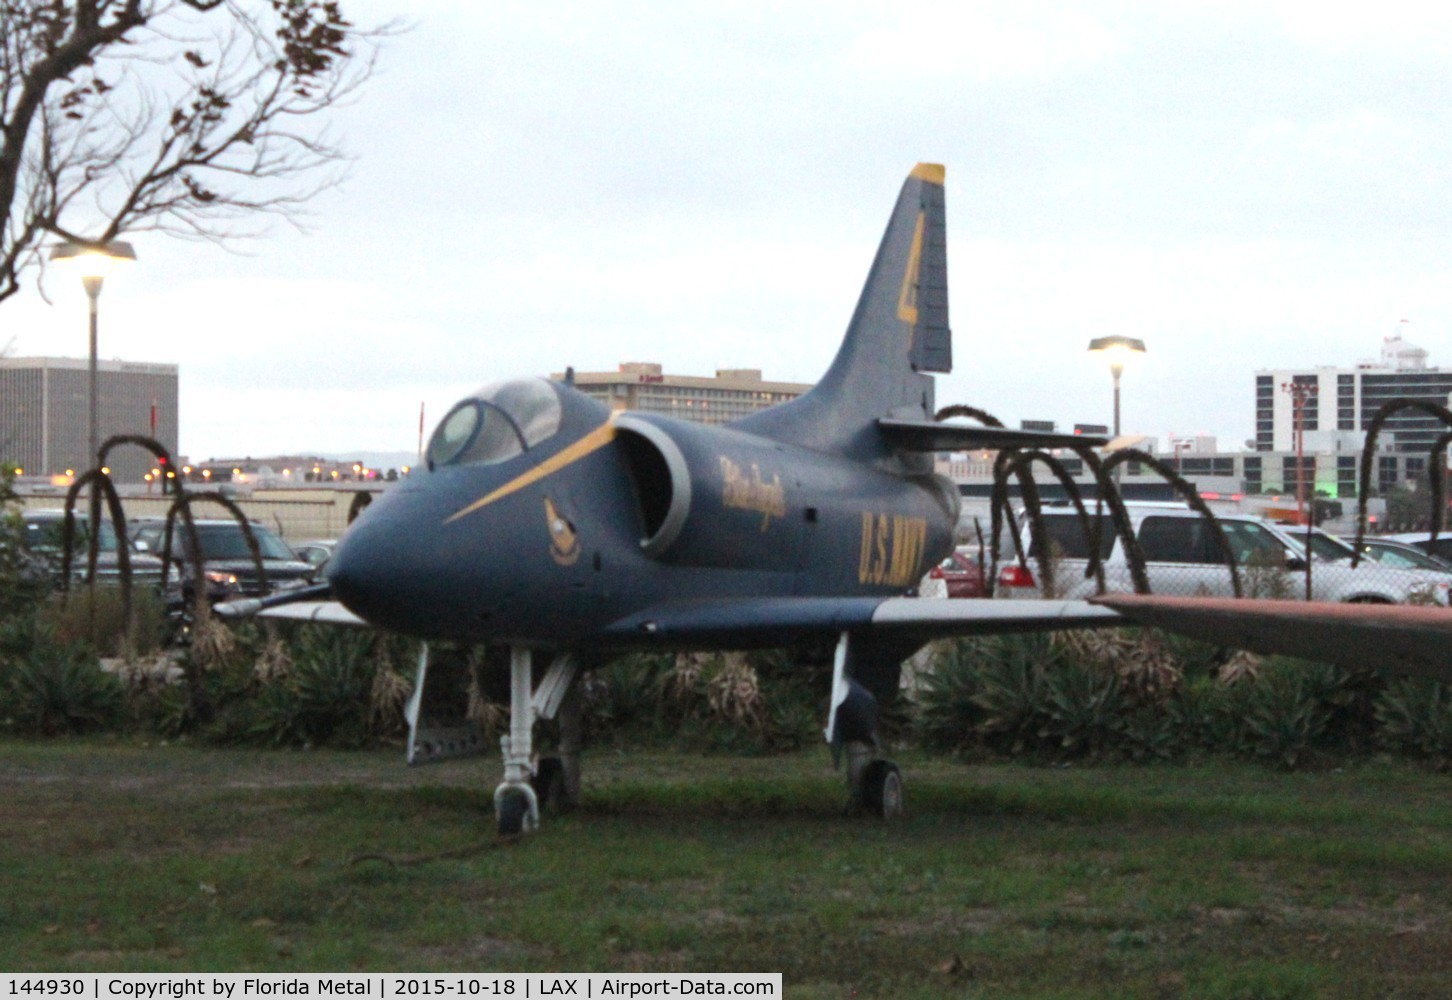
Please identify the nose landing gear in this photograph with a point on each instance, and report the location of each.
(553, 781)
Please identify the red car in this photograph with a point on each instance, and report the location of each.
(961, 574)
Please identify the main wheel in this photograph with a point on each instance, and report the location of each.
(512, 810)
(882, 789)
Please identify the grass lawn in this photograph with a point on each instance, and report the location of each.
(1216, 879)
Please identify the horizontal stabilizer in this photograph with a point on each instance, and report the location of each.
(770, 621)
(930, 435)
(1400, 638)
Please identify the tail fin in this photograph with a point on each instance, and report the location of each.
(898, 333)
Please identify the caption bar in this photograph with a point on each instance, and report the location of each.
(390, 986)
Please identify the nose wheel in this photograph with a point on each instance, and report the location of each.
(516, 810)
(554, 781)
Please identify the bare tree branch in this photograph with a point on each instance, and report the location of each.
(187, 117)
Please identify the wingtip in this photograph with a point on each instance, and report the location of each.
(933, 173)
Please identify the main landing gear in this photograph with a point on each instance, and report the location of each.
(874, 785)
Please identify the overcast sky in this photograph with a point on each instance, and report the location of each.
(544, 184)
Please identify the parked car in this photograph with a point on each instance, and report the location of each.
(1183, 557)
(315, 553)
(226, 559)
(960, 574)
(1423, 540)
(44, 539)
(1393, 553)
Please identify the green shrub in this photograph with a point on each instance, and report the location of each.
(759, 702)
(325, 695)
(1013, 690)
(1014, 694)
(1414, 716)
(1281, 715)
(58, 688)
(1065, 697)
(1084, 709)
(624, 699)
(949, 716)
(96, 616)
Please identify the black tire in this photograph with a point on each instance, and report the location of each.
(512, 810)
(549, 784)
(882, 789)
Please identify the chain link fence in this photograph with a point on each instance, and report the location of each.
(297, 515)
(1180, 552)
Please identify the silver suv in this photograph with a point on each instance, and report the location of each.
(1184, 557)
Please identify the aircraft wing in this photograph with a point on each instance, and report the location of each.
(779, 620)
(328, 612)
(294, 606)
(929, 435)
(1401, 638)
(766, 621)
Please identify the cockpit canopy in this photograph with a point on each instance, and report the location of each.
(496, 423)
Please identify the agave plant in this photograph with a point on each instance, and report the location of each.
(1013, 691)
(1083, 706)
(1282, 714)
(948, 714)
(1414, 715)
(59, 688)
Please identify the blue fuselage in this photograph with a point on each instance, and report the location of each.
(614, 514)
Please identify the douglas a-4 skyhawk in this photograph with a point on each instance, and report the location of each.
(547, 524)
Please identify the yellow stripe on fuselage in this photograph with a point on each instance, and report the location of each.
(590, 443)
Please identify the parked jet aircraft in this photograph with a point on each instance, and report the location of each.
(549, 524)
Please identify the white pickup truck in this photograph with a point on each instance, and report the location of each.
(1183, 556)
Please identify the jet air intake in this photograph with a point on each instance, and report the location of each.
(662, 482)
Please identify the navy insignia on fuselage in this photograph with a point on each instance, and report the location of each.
(564, 543)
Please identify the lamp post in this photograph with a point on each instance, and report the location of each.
(1301, 393)
(1116, 350)
(93, 261)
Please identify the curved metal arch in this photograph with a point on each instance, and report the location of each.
(182, 507)
(157, 449)
(1110, 496)
(1363, 482)
(1021, 465)
(1188, 493)
(1438, 458)
(102, 483)
(972, 412)
(361, 500)
(998, 506)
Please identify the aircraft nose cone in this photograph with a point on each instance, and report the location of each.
(371, 574)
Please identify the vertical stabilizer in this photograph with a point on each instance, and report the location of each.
(898, 333)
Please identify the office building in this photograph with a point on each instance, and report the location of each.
(1335, 406)
(45, 413)
(734, 392)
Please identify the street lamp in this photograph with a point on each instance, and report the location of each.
(1116, 350)
(93, 261)
(1301, 393)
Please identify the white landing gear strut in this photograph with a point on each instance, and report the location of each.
(517, 799)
